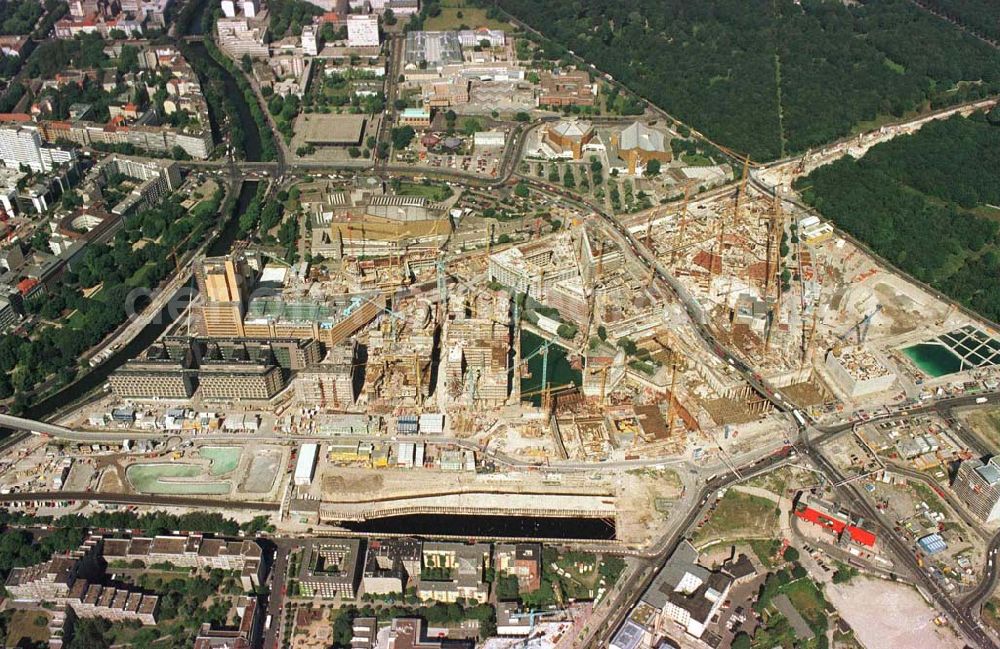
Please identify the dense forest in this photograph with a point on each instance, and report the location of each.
(980, 16)
(725, 66)
(923, 202)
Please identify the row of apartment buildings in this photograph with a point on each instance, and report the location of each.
(439, 571)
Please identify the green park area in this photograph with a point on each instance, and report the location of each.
(566, 576)
(460, 14)
(807, 602)
(430, 191)
(739, 516)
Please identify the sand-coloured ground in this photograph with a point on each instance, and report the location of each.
(911, 623)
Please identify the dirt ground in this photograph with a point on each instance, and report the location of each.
(910, 625)
(810, 393)
(904, 313)
(346, 483)
(645, 499)
(111, 481)
(986, 424)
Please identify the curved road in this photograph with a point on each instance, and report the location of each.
(965, 619)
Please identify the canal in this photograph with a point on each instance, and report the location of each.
(96, 377)
(222, 243)
(252, 148)
(595, 529)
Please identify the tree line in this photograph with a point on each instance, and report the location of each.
(119, 268)
(920, 201)
(981, 16)
(724, 66)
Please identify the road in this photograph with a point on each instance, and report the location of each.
(276, 599)
(131, 499)
(382, 137)
(988, 583)
(963, 618)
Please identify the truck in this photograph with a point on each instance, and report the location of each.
(981, 400)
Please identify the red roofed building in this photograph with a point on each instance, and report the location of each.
(828, 516)
(25, 286)
(862, 536)
(332, 17)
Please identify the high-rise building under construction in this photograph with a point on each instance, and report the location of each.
(224, 283)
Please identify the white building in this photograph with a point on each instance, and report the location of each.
(978, 486)
(858, 372)
(431, 423)
(362, 31)
(250, 8)
(310, 40)
(305, 466)
(686, 593)
(237, 37)
(473, 37)
(489, 139)
(9, 179)
(229, 8)
(22, 145)
(812, 230)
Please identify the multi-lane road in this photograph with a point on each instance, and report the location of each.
(964, 618)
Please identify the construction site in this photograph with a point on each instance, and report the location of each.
(814, 314)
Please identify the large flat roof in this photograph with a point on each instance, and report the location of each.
(323, 129)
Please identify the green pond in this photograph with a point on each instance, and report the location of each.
(159, 479)
(224, 458)
(933, 359)
(560, 372)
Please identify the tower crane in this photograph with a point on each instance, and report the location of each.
(861, 326)
(683, 225)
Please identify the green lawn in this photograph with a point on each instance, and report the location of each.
(808, 601)
(696, 160)
(24, 627)
(991, 614)
(740, 515)
(986, 423)
(471, 17)
(767, 552)
(430, 192)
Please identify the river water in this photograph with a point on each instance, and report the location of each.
(97, 376)
(220, 246)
